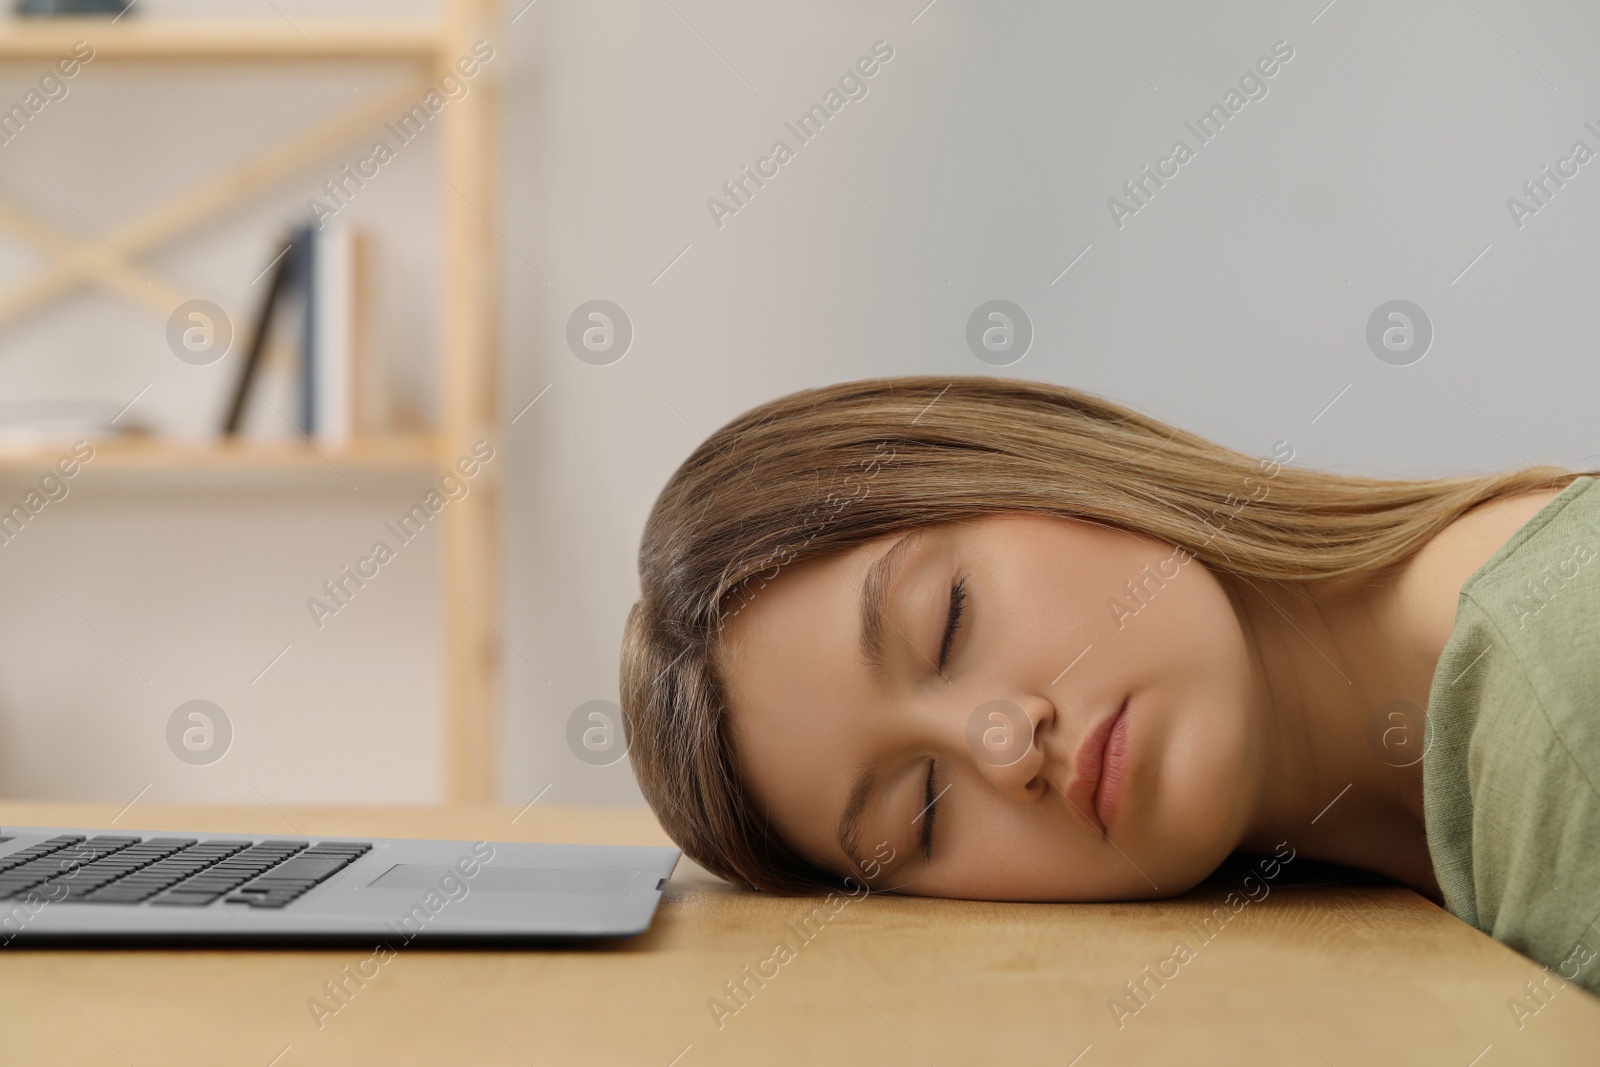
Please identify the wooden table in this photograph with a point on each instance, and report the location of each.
(1330, 975)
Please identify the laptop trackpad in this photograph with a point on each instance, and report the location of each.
(503, 879)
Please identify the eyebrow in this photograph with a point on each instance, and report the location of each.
(874, 597)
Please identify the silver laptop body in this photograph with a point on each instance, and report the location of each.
(63, 885)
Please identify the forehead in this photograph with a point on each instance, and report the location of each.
(798, 693)
(807, 615)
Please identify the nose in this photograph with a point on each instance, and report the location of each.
(1005, 739)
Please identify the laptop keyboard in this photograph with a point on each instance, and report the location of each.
(172, 871)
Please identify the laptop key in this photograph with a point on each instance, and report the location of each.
(290, 880)
(191, 900)
(171, 871)
(144, 869)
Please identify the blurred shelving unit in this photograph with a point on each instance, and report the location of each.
(469, 590)
(152, 453)
(170, 39)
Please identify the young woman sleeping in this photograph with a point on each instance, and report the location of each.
(1004, 640)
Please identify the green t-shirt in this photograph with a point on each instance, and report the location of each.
(1511, 774)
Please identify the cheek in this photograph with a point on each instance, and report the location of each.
(1044, 602)
(1000, 850)
(1197, 740)
(1066, 586)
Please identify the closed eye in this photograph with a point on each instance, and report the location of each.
(958, 600)
(927, 816)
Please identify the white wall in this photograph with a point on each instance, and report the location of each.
(978, 166)
(990, 144)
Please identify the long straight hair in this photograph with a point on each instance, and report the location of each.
(825, 469)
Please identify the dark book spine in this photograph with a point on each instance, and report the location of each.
(283, 270)
(307, 284)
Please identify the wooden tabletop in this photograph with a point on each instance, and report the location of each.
(1297, 975)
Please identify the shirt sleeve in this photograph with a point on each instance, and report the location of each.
(1513, 761)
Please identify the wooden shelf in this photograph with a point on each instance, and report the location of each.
(469, 541)
(133, 38)
(157, 454)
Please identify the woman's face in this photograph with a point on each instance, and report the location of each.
(1010, 711)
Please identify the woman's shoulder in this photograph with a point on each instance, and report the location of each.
(1460, 552)
(1511, 775)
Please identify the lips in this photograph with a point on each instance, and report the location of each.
(1103, 750)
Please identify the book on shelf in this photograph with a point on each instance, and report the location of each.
(319, 277)
(27, 425)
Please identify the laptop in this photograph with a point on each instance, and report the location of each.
(62, 886)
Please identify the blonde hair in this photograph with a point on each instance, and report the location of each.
(825, 469)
